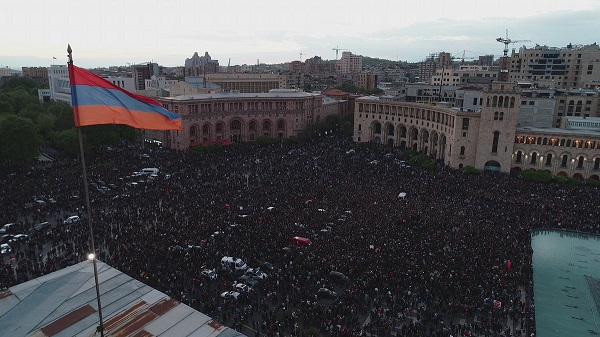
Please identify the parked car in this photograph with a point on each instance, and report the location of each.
(232, 295)
(211, 274)
(5, 249)
(6, 238)
(338, 277)
(42, 226)
(242, 287)
(10, 228)
(266, 265)
(248, 280)
(20, 238)
(256, 274)
(326, 293)
(71, 220)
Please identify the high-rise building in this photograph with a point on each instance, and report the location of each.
(349, 63)
(568, 67)
(199, 65)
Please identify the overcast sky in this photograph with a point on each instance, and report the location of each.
(117, 32)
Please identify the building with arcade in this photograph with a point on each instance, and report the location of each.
(488, 139)
(242, 117)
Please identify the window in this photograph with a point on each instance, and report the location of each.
(580, 162)
(519, 157)
(564, 161)
(534, 158)
(549, 159)
(462, 150)
(501, 118)
(495, 142)
(597, 164)
(465, 125)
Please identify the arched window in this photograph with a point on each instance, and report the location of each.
(565, 160)
(377, 128)
(252, 126)
(219, 127)
(494, 101)
(280, 124)
(597, 164)
(568, 143)
(267, 125)
(512, 102)
(235, 125)
(580, 162)
(500, 101)
(506, 101)
(496, 114)
(534, 158)
(495, 142)
(359, 127)
(519, 157)
(549, 159)
(562, 142)
(501, 118)
(462, 150)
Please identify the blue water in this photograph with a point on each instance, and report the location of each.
(565, 264)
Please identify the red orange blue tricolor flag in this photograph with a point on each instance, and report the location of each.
(97, 101)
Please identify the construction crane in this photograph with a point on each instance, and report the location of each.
(463, 58)
(504, 75)
(508, 41)
(337, 50)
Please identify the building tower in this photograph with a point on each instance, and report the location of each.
(497, 127)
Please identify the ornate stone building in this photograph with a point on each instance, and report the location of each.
(487, 140)
(243, 117)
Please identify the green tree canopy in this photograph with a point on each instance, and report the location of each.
(19, 140)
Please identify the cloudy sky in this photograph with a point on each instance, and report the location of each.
(117, 32)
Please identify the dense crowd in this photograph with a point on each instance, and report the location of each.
(453, 257)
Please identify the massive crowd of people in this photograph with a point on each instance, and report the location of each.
(452, 257)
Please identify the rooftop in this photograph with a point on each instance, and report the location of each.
(64, 303)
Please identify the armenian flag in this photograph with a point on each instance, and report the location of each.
(97, 101)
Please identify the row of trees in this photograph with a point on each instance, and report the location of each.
(26, 124)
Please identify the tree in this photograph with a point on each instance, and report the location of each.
(67, 141)
(6, 107)
(19, 140)
(45, 124)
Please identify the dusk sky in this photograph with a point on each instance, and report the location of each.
(118, 32)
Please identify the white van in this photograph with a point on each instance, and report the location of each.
(149, 171)
(232, 264)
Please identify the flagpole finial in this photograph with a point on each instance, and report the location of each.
(70, 55)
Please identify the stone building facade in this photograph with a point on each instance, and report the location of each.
(487, 140)
(244, 117)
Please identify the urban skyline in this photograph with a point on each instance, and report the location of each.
(117, 33)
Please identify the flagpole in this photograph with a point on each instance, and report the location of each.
(87, 194)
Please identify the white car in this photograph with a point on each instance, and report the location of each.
(209, 273)
(5, 249)
(232, 295)
(243, 288)
(72, 219)
(256, 274)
